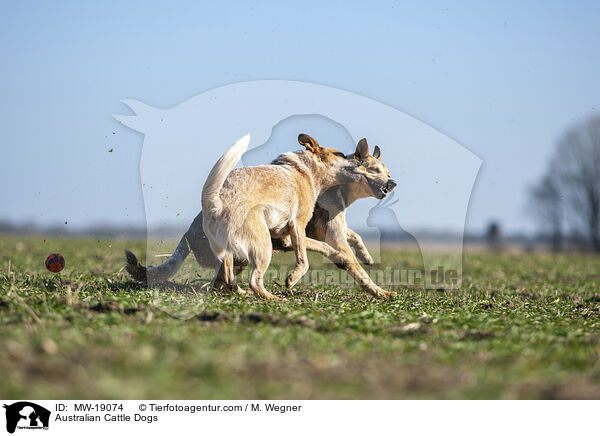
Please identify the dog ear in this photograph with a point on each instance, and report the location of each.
(377, 152)
(362, 149)
(309, 142)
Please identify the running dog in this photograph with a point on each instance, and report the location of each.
(328, 224)
(243, 208)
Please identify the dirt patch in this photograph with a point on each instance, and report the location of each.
(113, 306)
(269, 318)
(476, 335)
(213, 316)
(257, 318)
(576, 388)
(412, 329)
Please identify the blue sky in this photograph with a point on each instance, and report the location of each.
(503, 79)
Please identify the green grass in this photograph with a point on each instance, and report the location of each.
(523, 326)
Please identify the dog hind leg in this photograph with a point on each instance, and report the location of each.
(260, 258)
(225, 276)
(259, 267)
(229, 270)
(298, 240)
(257, 238)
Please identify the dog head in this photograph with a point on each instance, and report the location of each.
(336, 167)
(376, 181)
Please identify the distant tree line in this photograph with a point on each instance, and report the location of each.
(566, 199)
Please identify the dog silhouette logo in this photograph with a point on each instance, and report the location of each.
(26, 415)
(384, 219)
(434, 173)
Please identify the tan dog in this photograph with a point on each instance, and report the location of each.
(328, 223)
(244, 208)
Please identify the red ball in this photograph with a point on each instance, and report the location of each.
(55, 262)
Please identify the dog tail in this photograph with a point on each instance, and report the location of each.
(160, 273)
(211, 203)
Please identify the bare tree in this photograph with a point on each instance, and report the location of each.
(575, 168)
(547, 201)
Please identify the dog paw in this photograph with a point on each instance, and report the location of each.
(266, 295)
(381, 293)
(388, 294)
(289, 283)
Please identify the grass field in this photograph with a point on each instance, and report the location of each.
(523, 326)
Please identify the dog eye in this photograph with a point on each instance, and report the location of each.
(337, 153)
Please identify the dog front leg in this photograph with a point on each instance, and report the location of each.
(298, 240)
(348, 262)
(359, 247)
